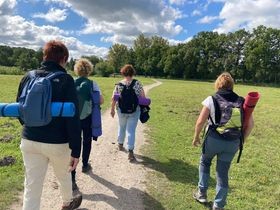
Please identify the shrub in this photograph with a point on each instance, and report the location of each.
(10, 70)
(104, 69)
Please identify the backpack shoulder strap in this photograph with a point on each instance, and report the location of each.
(217, 110)
(54, 74)
(120, 84)
(32, 74)
(132, 83)
(239, 103)
(242, 100)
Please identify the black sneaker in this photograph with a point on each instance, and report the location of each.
(75, 203)
(200, 197)
(74, 186)
(86, 168)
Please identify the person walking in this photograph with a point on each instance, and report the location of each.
(128, 110)
(57, 143)
(224, 134)
(83, 68)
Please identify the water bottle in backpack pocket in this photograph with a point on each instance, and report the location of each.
(35, 100)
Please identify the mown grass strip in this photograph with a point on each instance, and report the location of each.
(254, 183)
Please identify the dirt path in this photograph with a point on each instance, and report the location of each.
(114, 183)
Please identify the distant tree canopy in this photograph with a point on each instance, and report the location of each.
(249, 56)
(21, 57)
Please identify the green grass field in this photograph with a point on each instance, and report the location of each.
(11, 177)
(254, 182)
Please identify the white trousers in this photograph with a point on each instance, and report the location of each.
(36, 157)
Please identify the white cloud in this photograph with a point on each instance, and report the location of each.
(175, 42)
(218, 0)
(121, 20)
(7, 6)
(188, 39)
(60, 2)
(53, 15)
(177, 2)
(18, 32)
(190, 1)
(249, 14)
(196, 12)
(118, 39)
(207, 19)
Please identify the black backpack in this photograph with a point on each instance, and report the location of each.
(228, 117)
(128, 100)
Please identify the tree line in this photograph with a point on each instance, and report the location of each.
(250, 56)
(21, 57)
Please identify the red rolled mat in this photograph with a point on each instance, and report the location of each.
(251, 101)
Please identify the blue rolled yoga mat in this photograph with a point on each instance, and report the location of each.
(96, 123)
(59, 109)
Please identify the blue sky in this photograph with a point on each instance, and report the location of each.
(92, 26)
(75, 22)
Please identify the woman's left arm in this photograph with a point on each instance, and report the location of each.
(204, 114)
(113, 102)
(142, 93)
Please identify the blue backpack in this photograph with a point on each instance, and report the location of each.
(35, 100)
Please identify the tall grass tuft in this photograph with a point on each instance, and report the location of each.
(7, 70)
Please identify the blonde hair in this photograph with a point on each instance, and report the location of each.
(83, 67)
(224, 82)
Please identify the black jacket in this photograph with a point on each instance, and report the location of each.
(60, 130)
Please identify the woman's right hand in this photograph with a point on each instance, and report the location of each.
(73, 164)
(113, 113)
(196, 141)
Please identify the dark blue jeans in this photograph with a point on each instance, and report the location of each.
(87, 136)
(225, 151)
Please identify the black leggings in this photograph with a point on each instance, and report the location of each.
(86, 131)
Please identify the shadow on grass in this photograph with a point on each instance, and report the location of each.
(174, 169)
(125, 199)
